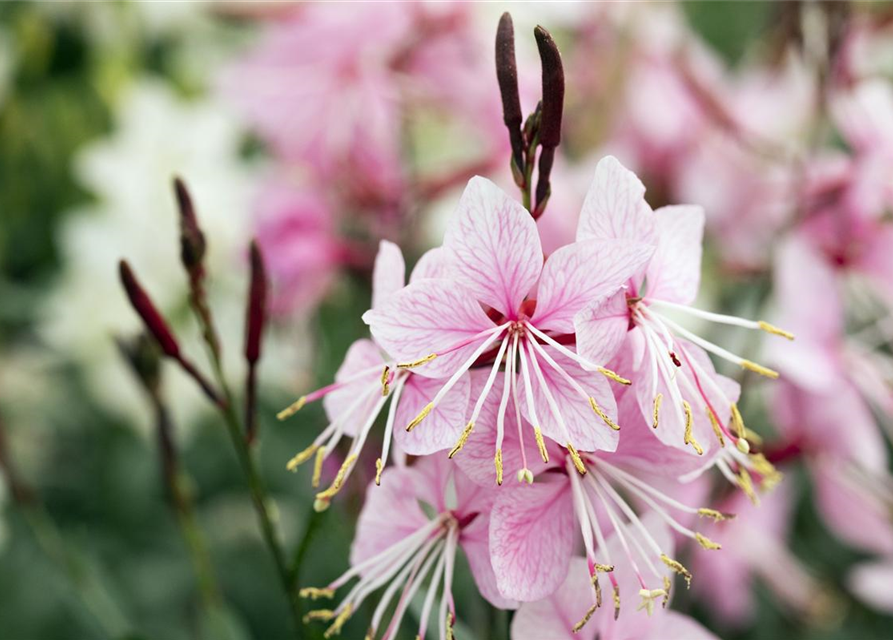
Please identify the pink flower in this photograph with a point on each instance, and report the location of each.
(871, 582)
(363, 385)
(492, 259)
(560, 615)
(409, 529)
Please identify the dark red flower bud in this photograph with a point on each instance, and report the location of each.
(553, 89)
(257, 305)
(192, 240)
(507, 77)
(144, 306)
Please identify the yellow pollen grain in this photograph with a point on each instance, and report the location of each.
(616, 603)
(317, 467)
(422, 415)
(716, 516)
(497, 460)
(604, 416)
(292, 409)
(604, 568)
(322, 615)
(301, 458)
(613, 376)
(657, 400)
(541, 444)
(758, 368)
(707, 543)
(462, 439)
(315, 593)
(342, 618)
(586, 617)
(578, 462)
(417, 363)
(677, 566)
(385, 375)
(689, 437)
(379, 467)
(771, 328)
(716, 428)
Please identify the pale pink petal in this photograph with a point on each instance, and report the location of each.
(601, 327)
(531, 538)
(434, 263)
(576, 275)
(475, 542)
(362, 354)
(872, 582)
(615, 206)
(425, 317)
(674, 273)
(442, 427)
(672, 625)
(554, 617)
(494, 247)
(388, 274)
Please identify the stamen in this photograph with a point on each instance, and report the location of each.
(604, 416)
(315, 593)
(417, 363)
(689, 437)
(301, 458)
(707, 543)
(716, 428)
(737, 421)
(768, 328)
(462, 440)
(385, 377)
(677, 566)
(758, 368)
(578, 462)
(613, 376)
(657, 400)
(317, 467)
(422, 415)
(648, 596)
(541, 444)
(292, 409)
(342, 618)
(667, 589)
(324, 497)
(744, 481)
(716, 516)
(379, 466)
(498, 462)
(616, 602)
(586, 364)
(321, 615)
(582, 623)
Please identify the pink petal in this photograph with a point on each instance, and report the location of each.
(475, 542)
(425, 317)
(672, 625)
(388, 274)
(871, 581)
(362, 354)
(434, 263)
(553, 618)
(531, 538)
(576, 275)
(442, 427)
(601, 327)
(615, 206)
(675, 271)
(494, 247)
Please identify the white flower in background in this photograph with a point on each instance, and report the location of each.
(158, 135)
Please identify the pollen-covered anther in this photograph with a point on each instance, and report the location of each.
(707, 543)
(598, 589)
(657, 400)
(497, 460)
(578, 461)
(667, 589)
(317, 467)
(586, 617)
(340, 620)
(385, 381)
(422, 415)
(771, 328)
(541, 444)
(689, 437)
(648, 597)
(462, 439)
(616, 602)
(315, 593)
(379, 467)
(737, 421)
(760, 369)
(716, 516)
(745, 483)
(301, 458)
(322, 615)
(333, 490)
(450, 621)
(613, 376)
(417, 363)
(716, 428)
(525, 475)
(604, 568)
(604, 416)
(292, 409)
(677, 566)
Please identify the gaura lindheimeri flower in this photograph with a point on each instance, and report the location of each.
(533, 527)
(677, 392)
(411, 528)
(364, 384)
(557, 616)
(497, 304)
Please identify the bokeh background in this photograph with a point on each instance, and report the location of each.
(101, 104)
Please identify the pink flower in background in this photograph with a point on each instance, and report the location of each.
(560, 614)
(410, 528)
(870, 581)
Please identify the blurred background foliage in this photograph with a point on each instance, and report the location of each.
(94, 550)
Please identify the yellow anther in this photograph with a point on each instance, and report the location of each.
(335, 629)
(616, 603)
(677, 566)
(301, 458)
(758, 368)
(604, 416)
(462, 439)
(323, 615)
(525, 475)
(330, 493)
(385, 376)
(689, 437)
(707, 543)
(716, 428)
(497, 460)
(379, 467)
(422, 415)
(746, 485)
(541, 444)
(743, 445)
(292, 409)
(578, 462)
(753, 436)
(582, 623)
(613, 376)
(770, 328)
(315, 593)
(417, 363)
(449, 626)
(657, 400)
(317, 467)
(598, 590)
(604, 568)
(667, 589)
(737, 422)
(716, 516)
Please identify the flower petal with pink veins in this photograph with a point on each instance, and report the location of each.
(674, 273)
(442, 427)
(475, 542)
(362, 354)
(494, 247)
(615, 206)
(554, 617)
(871, 582)
(601, 327)
(532, 538)
(580, 273)
(388, 274)
(434, 263)
(425, 317)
